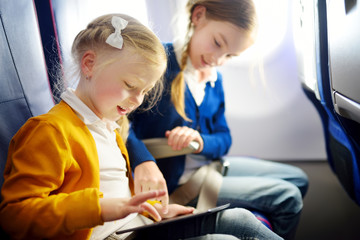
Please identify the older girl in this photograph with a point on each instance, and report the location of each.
(193, 109)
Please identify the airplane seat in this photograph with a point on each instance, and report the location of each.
(340, 122)
(24, 84)
(50, 42)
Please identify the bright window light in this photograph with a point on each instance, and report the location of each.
(273, 21)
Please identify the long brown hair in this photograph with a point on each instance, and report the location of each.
(241, 13)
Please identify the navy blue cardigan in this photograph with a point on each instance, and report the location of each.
(208, 119)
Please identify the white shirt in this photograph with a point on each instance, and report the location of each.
(113, 180)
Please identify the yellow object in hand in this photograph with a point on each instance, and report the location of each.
(153, 202)
(146, 214)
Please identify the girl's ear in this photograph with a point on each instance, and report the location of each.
(88, 63)
(198, 14)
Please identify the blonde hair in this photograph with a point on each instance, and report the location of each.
(136, 36)
(241, 13)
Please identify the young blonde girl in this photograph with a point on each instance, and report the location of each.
(67, 174)
(52, 180)
(193, 109)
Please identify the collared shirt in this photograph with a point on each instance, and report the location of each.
(197, 88)
(113, 180)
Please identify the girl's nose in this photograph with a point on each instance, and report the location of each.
(137, 98)
(218, 60)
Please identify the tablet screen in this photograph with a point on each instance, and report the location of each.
(175, 219)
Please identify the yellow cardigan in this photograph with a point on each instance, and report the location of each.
(51, 187)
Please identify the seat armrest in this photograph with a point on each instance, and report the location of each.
(223, 166)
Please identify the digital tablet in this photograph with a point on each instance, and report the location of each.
(175, 219)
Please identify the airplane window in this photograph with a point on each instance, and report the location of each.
(272, 16)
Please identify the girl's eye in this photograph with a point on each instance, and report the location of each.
(128, 85)
(217, 43)
(146, 92)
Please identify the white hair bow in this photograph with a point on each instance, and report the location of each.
(115, 39)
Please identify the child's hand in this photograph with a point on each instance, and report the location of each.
(148, 177)
(174, 210)
(180, 137)
(116, 208)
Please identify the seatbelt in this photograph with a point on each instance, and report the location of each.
(204, 183)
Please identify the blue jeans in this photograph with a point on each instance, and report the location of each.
(234, 223)
(275, 189)
(214, 237)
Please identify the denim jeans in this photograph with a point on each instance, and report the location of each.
(275, 189)
(214, 237)
(234, 223)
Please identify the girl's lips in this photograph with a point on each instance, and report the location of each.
(204, 63)
(121, 110)
(126, 110)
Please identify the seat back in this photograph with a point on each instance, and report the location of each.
(341, 131)
(24, 85)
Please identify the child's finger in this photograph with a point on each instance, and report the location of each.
(142, 197)
(151, 210)
(165, 203)
(176, 210)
